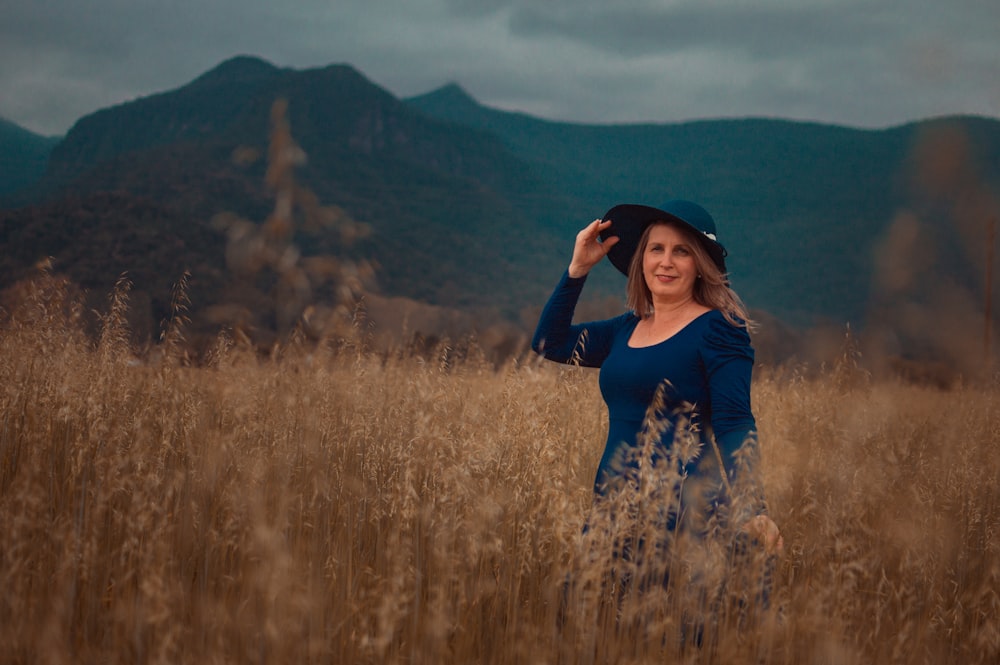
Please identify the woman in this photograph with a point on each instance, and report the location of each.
(676, 368)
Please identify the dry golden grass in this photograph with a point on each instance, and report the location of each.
(338, 507)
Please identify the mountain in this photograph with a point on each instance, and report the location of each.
(443, 202)
(476, 209)
(23, 155)
(800, 205)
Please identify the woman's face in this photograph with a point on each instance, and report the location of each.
(668, 264)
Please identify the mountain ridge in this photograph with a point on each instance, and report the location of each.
(841, 181)
(415, 180)
(483, 203)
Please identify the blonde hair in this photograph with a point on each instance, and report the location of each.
(711, 289)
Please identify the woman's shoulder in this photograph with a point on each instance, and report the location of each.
(722, 333)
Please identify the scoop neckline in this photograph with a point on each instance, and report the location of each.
(663, 341)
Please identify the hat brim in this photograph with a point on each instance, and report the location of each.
(629, 222)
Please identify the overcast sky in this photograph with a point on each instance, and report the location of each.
(865, 63)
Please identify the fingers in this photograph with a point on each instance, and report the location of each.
(589, 249)
(591, 234)
(610, 241)
(600, 226)
(591, 231)
(763, 529)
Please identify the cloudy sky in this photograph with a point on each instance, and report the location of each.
(865, 63)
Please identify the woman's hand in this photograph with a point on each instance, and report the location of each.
(763, 529)
(588, 249)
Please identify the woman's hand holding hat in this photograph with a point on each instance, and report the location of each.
(589, 250)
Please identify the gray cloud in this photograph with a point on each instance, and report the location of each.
(857, 62)
(750, 30)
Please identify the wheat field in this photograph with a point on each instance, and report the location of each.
(322, 504)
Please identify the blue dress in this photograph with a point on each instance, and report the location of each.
(703, 373)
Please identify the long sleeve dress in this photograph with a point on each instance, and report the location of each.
(703, 377)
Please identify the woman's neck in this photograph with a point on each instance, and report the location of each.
(671, 310)
(665, 321)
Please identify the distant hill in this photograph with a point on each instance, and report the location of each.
(476, 209)
(800, 205)
(23, 155)
(447, 205)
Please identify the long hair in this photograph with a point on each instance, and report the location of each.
(711, 289)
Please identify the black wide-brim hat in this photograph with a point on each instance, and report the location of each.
(629, 222)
